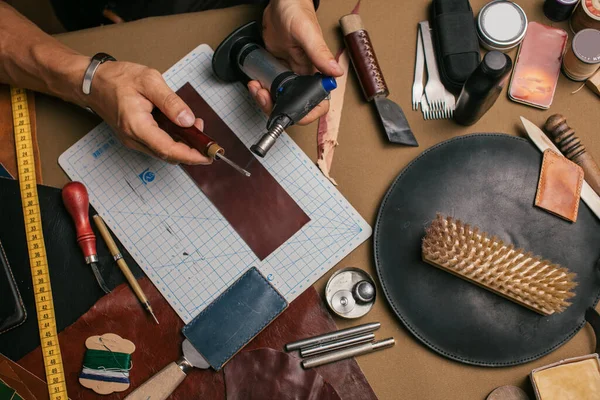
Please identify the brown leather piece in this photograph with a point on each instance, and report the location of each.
(27, 385)
(157, 345)
(260, 373)
(366, 64)
(257, 207)
(559, 187)
(8, 157)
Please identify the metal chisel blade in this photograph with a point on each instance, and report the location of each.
(395, 123)
(99, 278)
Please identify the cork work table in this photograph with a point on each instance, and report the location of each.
(364, 165)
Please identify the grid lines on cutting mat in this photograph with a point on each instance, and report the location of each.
(174, 232)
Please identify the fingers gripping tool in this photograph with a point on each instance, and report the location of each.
(242, 57)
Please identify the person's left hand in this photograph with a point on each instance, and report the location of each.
(291, 32)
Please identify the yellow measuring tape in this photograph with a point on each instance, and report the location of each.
(38, 261)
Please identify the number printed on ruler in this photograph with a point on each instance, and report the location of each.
(37, 249)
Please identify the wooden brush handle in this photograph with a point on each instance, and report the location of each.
(564, 137)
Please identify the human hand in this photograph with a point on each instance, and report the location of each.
(124, 95)
(291, 32)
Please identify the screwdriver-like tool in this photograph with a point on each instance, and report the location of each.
(76, 200)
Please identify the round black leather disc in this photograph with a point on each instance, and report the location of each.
(487, 180)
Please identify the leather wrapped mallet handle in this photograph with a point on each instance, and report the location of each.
(363, 57)
(564, 137)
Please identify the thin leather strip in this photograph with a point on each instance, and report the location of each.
(157, 345)
(257, 207)
(27, 385)
(366, 65)
(7, 136)
(259, 374)
(329, 124)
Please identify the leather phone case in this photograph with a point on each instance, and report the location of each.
(559, 187)
(456, 42)
(12, 310)
(234, 318)
(537, 68)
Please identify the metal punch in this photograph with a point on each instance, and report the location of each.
(436, 102)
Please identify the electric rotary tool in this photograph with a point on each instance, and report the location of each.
(242, 57)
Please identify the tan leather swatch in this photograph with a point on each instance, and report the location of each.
(559, 187)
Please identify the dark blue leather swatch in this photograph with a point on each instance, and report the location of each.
(234, 318)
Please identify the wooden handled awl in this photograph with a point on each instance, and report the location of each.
(76, 200)
(564, 137)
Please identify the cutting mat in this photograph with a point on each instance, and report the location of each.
(173, 231)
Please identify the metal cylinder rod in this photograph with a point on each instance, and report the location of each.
(347, 353)
(340, 344)
(332, 336)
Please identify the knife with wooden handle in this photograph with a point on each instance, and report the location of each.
(564, 137)
(372, 82)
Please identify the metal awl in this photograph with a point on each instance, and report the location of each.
(239, 169)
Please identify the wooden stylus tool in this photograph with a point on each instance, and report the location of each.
(112, 247)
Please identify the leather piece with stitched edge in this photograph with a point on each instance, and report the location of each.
(365, 64)
(257, 207)
(489, 180)
(12, 309)
(157, 345)
(559, 187)
(234, 318)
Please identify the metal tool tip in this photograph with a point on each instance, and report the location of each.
(153, 316)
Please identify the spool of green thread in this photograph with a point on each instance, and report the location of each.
(99, 359)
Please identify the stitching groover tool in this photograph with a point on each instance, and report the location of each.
(242, 57)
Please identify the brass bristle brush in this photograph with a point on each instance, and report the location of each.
(486, 261)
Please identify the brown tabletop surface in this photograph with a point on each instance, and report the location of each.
(364, 164)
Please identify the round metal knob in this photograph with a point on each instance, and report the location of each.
(363, 292)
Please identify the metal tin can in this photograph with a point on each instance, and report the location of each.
(582, 59)
(501, 25)
(586, 15)
(559, 10)
(350, 292)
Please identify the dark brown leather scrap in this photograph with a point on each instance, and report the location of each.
(559, 187)
(257, 207)
(260, 374)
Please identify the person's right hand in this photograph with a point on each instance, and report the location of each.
(124, 94)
